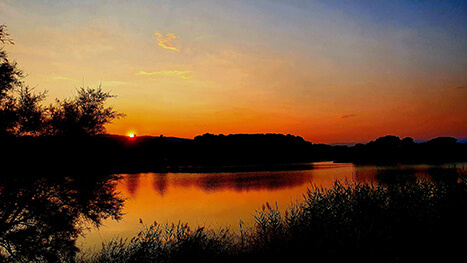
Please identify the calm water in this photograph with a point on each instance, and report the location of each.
(219, 199)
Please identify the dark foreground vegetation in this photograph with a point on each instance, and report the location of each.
(43, 213)
(400, 219)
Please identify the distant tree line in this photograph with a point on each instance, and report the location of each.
(21, 111)
(392, 149)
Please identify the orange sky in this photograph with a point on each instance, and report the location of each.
(327, 71)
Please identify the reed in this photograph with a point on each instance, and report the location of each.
(166, 243)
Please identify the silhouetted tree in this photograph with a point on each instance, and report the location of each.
(10, 79)
(86, 114)
(41, 218)
(387, 141)
(22, 114)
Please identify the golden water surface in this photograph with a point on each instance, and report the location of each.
(209, 199)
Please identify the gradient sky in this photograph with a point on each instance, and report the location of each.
(329, 71)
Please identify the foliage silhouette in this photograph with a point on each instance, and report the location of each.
(85, 114)
(31, 119)
(10, 79)
(42, 216)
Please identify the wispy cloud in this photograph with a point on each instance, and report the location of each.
(166, 42)
(184, 74)
(144, 73)
(174, 72)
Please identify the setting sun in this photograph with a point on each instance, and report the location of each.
(131, 135)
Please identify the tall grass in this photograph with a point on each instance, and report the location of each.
(166, 243)
(401, 220)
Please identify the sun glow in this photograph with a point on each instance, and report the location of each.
(131, 135)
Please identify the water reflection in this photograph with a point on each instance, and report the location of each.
(401, 174)
(41, 217)
(238, 181)
(160, 183)
(132, 182)
(226, 181)
(221, 199)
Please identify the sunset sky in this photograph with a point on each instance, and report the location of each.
(329, 71)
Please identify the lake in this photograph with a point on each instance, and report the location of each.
(219, 200)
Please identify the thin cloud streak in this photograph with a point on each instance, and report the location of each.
(165, 73)
(347, 116)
